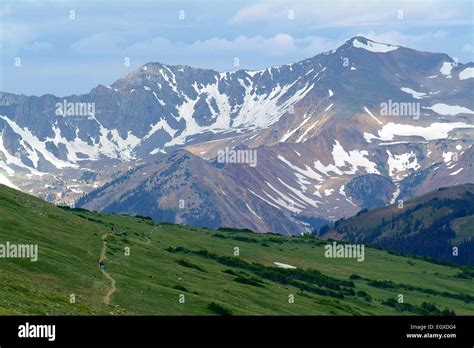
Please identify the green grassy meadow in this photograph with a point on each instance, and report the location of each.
(167, 269)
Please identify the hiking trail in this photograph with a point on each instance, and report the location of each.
(112, 289)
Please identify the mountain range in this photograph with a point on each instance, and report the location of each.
(362, 126)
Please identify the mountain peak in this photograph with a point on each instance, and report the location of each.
(361, 39)
(362, 42)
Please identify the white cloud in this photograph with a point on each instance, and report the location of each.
(40, 46)
(100, 42)
(15, 35)
(468, 48)
(279, 45)
(346, 13)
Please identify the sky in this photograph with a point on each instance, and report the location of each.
(69, 47)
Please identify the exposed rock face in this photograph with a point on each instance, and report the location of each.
(358, 127)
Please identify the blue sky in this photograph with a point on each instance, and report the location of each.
(63, 56)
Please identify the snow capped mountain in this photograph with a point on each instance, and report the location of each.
(327, 132)
(169, 106)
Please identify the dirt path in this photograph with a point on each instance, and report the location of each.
(148, 242)
(106, 274)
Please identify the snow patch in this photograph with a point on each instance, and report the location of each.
(414, 94)
(265, 200)
(434, 131)
(254, 213)
(33, 146)
(399, 166)
(371, 115)
(284, 265)
(456, 172)
(446, 69)
(374, 46)
(329, 107)
(444, 109)
(290, 133)
(355, 158)
(283, 200)
(308, 172)
(159, 100)
(467, 73)
(447, 156)
(395, 195)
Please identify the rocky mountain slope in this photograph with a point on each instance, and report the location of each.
(360, 126)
